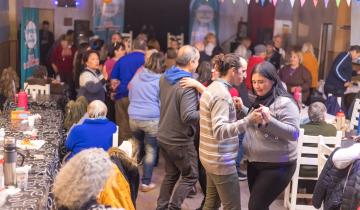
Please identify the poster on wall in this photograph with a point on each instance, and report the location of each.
(108, 17)
(204, 18)
(29, 42)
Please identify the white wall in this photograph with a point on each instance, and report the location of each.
(82, 12)
(355, 23)
(230, 15)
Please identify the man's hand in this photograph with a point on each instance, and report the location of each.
(347, 84)
(238, 103)
(114, 83)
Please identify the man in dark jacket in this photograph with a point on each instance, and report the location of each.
(178, 115)
(339, 77)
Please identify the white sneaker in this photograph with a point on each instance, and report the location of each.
(147, 187)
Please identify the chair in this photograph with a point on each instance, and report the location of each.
(115, 140)
(125, 146)
(129, 37)
(354, 122)
(324, 153)
(307, 157)
(178, 38)
(37, 89)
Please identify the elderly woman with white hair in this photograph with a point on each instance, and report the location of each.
(96, 131)
(317, 125)
(80, 181)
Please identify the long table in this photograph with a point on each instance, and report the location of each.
(41, 176)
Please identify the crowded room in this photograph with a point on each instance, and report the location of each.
(179, 104)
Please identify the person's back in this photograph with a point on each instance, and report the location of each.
(125, 69)
(144, 96)
(178, 112)
(341, 72)
(92, 133)
(175, 120)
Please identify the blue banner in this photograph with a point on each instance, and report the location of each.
(204, 18)
(29, 45)
(108, 17)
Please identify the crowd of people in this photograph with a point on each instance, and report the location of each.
(203, 110)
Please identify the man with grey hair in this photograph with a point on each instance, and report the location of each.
(178, 116)
(96, 130)
(317, 125)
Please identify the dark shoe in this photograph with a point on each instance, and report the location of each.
(241, 176)
(192, 193)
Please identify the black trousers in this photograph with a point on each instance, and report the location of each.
(180, 167)
(266, 181)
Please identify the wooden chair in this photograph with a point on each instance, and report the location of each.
(37, 89)
(178, 38)
(354, 122)
(125, 146)
(308, 156)
(129, 38)
(324, 153)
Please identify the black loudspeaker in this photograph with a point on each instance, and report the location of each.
(82, 29)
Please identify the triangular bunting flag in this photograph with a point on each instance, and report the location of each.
(274, 2)
(257, 1)
(248, 1)
(234, 1)
(326, 3)
(315, 2)
(262, 2)
(302, 2)
(348, 2)
(337, 3)
(292, 3)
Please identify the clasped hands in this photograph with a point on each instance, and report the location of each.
(259, 116)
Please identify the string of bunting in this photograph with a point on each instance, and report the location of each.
(292, 2)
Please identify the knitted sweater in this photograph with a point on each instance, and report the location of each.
(219, 129)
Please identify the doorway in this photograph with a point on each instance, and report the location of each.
(47, 14)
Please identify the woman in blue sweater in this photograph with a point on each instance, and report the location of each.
(144, 112)
(96, 131)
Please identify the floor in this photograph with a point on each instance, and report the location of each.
(147, 201)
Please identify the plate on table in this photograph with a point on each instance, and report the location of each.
(30, 144)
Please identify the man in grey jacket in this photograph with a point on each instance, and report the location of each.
(178, 113)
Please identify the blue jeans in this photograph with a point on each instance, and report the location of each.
(144, 133)
(240, 152)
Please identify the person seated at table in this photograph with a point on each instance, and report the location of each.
(317, 125)
(295, 75)
(87, 182)
(40, 77)
(96, 131)
(8, 75)
(338, 183)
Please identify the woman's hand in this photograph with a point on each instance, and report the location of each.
(238, 103)
(255, 117)
(265, 112)
(188, 82)
(114, 83)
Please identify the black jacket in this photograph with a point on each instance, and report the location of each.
(330, 187)
(341, 71)
(179, 114)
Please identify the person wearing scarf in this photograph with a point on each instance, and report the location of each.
(270, 146)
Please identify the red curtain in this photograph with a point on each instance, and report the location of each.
(261, 21)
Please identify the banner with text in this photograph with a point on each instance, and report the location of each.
(108, 17)
(29, 45)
